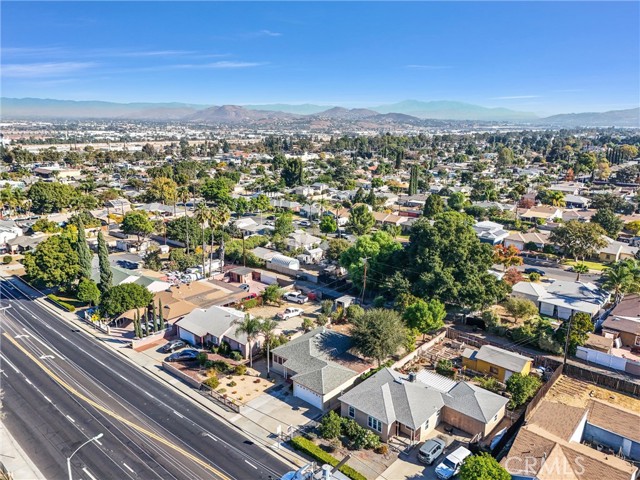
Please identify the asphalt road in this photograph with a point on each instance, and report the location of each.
(62, 387)
(552, 271)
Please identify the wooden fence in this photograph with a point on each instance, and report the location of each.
(219, 398)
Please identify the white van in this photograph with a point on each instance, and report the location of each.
(450, 466)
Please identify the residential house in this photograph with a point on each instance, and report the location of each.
(383, 218)
(8, 231)
(576, 201)
(490, 232)
(213, 326)
(616, 250)
(623, 323)
(561, 299)
(496, 362)
(341, 216)
(392, 404)
(320, 366)
(582, 215)
(502, 207)
(301, 239)
(588, 439)
(285, 204)
(544, 213)
(568, 188)
(520, 240)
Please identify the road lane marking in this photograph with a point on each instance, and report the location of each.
(6, 360)
(22, 336)
(28, 381)
(84, 469)
(250, 464)
(70, 419)
(211, 437)
(178, 414)
(46, 398)
(41, 342)
(98, 442)
(44, 357)
(114, 415)
(128, 467)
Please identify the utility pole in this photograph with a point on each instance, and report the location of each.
(364, 279)
(566, 343)
(244, 253)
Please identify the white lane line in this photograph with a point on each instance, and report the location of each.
(98, 442)
(178, 414)
(41, 342)
(4, 359)
(128, 467)
(5, 375)
(211, 437)
(28, 381)
(46, 398)
(84, 469)
(250, 464)
(70, 419)
(44, 357)
(21, 336)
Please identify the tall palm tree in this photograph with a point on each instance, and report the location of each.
(580, 268)
(218, 217)
(202, 215)
(183, 194)
(622, 277)
(250, 327)
(267, 328)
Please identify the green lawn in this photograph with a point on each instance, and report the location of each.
(592, 265)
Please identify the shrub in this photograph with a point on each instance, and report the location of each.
(491, 384)
(326, 307)
(235, 355)
(202, 358)
(241, 370)
(321, 320)
(221, 366)
(331, 426)
(222, 390)
(382, 449)
(365, 439)
(303, 445)
(231, 384)
(379, 302)
(350, 427)
(67, 306)
(445, 367)
(534, 277)
(354, 311)
(251, 303)
(212, 382)
(6, 259)
(522, 388)
(224, 348)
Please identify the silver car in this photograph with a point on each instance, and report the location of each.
(430, 450)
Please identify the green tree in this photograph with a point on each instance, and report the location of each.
(88, 291)
(161, 314)
(522, 388)
(579, 240)
(185, 229)
(328, 224)
(293, 172)
(580, 268)
(85, 256)
(483, 467)
(284, 224)
(413, 180)
(260, 203)
(250, 327)
(552, 197)
(49, 197)
(121, 298)
(361, 220)
(425, 317)
(505, 157)
(330, 426)
(162, 189)
(380, 250)
(622, 277)
(456, 201)
(336, 247)
(609, 221)
(54, 263)
(433, 206)
(268, 329)
(218, 190)
(137, 223)
(378, 333)
(106, 275)
(520, 308)
(272, 294)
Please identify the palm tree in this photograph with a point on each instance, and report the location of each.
(250, 327)
(622, 277)
(218, 217)
(267, 328)
(580, 268)
(183, 194)
(202, 215)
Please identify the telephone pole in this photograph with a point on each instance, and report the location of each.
(364, 279)
(566, 342)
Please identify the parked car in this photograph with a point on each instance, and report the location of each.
(244, 286)
(430, 450)
(296, 297)
(305, 223)
(250, 296)
(290, 313)
(534, 270)
(182, 355)
(172, 346)
(450, 466)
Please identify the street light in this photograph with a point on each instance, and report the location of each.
(96, 438)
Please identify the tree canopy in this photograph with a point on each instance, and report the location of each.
(54, 263)
(378, 333)
(361, 220)
(483, 467)
(121, 298)
(137, 223)
(577, 239)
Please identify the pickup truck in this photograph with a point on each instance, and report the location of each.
(296, 297)
(290, 312)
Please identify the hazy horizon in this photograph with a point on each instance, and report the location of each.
(544, 58)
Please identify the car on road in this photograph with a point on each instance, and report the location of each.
(430, 450)
(534, 270)
(450, 466)
(183, 355)
(304, 223)
(290, 313)
(172, 346)
(296, 297)
(244, 286)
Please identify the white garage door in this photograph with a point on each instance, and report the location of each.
(564, 313)
(187, 336)
(546, 309)
(307, 395)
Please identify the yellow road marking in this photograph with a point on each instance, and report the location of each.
(112, 414)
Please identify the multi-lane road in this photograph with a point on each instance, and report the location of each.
(62, 387)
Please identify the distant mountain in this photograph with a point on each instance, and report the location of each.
(234, 114)
(613, 118)
(72, 109)
(301, 109)
(449, 110)
(346, 114)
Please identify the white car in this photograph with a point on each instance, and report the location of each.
(296, 297)
(290, 313)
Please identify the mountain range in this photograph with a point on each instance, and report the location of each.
(408, 112)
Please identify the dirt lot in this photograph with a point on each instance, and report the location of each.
(577, 393)
(311, 310)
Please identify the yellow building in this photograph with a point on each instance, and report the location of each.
(496, 362)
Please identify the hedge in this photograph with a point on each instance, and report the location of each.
(314, 451)
(67, 306)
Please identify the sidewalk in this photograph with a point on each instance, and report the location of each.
(15, 460)
(262, 437)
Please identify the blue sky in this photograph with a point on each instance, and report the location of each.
(544, 57)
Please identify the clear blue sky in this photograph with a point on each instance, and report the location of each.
(544, 57)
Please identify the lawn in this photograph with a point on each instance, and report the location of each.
(592, 265)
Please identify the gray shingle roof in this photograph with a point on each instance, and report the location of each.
(511, 361)
(474, 402)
